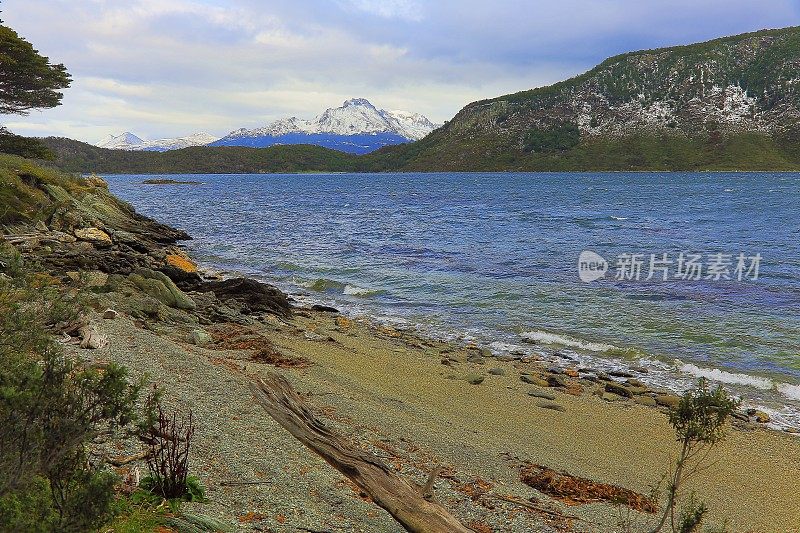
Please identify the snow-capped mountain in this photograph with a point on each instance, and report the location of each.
(129, 141)
(120, 142)
(356, 127)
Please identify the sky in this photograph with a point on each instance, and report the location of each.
(166, 68)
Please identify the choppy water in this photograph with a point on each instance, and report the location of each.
(492, 258)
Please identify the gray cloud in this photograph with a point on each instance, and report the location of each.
(171, 67)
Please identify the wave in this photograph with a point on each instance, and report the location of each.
(564, 340)
(731, 378)
(354, 290)
(790, 391)
(324, 285)
(618, 218)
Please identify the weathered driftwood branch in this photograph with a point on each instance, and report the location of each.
(427, 489)
(122, 461)
(377, 480)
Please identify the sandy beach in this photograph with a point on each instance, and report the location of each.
(390, 392)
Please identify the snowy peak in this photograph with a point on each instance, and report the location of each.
(120, 142)
(356, 116)
(411, 125)
(129, 141)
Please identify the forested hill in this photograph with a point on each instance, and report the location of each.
(728, 104)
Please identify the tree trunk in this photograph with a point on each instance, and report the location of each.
(385, 487)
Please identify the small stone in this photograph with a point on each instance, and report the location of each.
(534, 380)
(40, 226)
(324, 308)
(541, 394)
(497, 371)
(633, 382)
(552, 406)
(618, 389)
(668, 400)
(760, 416)
(474, 378)
(343, 323)
(91, 339)
(645, 400)
(611, 397)
(446, 361)
(620, 374)
(475, 356)
(557, 381)
(571, 372)
(110, 314)
(200, 337)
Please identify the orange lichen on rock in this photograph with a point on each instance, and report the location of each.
(574, 490)
(181, 262)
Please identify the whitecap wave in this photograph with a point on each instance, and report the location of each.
(790, 391)
(618, 218)
(354, 290)
(731, 378)
(564, 340)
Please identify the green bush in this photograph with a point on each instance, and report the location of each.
(556, 139)
(24, 146)
(699, 421)
(51, 406)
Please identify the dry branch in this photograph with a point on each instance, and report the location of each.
(383, 486)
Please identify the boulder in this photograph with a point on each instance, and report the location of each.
(250, 296)
(110, 314)
(96, 181)
(534, 380)
(541, 394)
(474, 378)
(618, 389)
(668, 400)
(611, 397)
(557, 380)
(760, 416)
(497, 371)
(91, 339)
(646, 400)
(96, 236)
(200, 337)
(552, 406)
(160, 287)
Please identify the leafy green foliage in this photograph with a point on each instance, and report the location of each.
(27, 79)
(151, 490)
(699, 421)
(557, 138)
(51, 406)
(692, 515)
(699, 418)
(23, 146)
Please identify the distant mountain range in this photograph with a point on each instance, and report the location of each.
(357, 127)
(728, 104)
(129, 141)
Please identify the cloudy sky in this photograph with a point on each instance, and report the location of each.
(163, 68)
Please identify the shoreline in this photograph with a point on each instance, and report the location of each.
(413, 402)
(658, 373)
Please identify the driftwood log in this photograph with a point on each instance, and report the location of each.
(405, 503)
